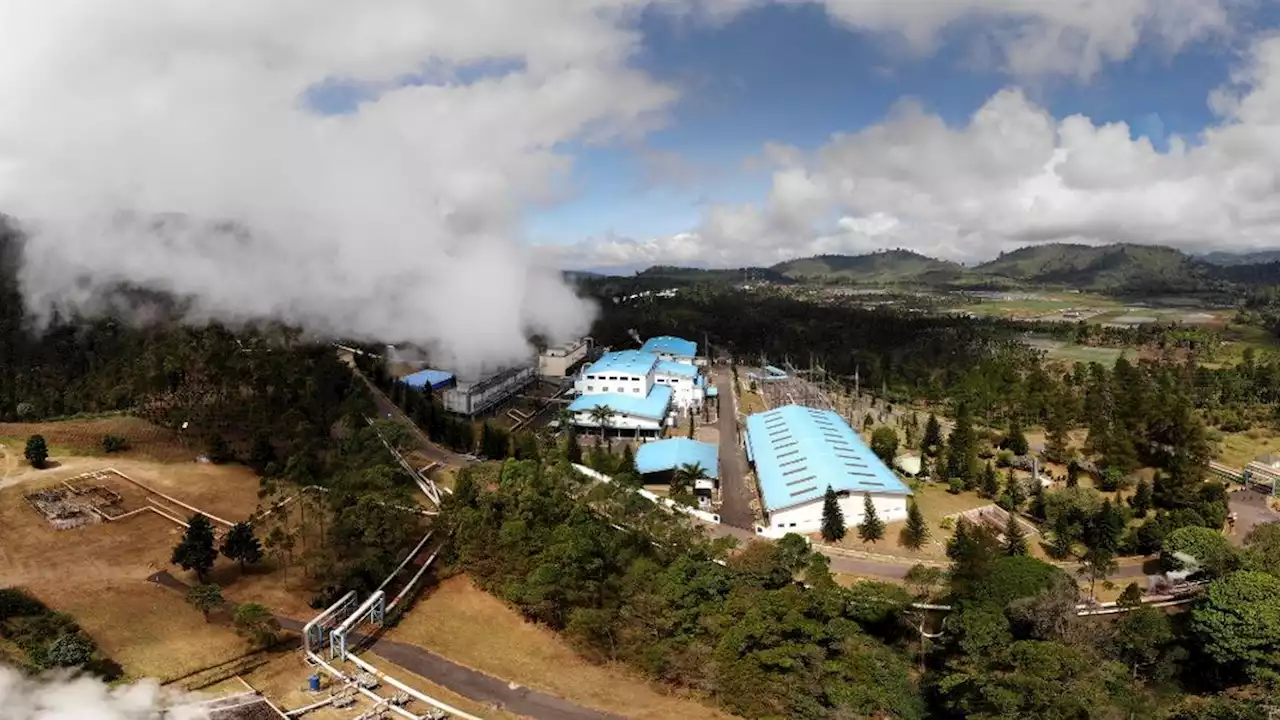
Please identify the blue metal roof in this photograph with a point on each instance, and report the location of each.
(664, 455)
(653, 406)
(799, 451)
(671, 367)
(668, 345)
(632, 362)
(435, 378)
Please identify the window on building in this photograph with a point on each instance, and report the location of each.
(591, 388)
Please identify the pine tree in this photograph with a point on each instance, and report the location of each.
(916, 532)
(195, 550)
(37, 452)
(1037, 509)
(241, 545)
(872, 527)
(1073, 473)
(1015, 490)
(1015, 539)
(867, 422)
(962, 448)
(262, 453)
(627, 464)
(833, 529)
(1055, 447)
(691, 426)
(1141, 500)
(990, 482)
(932, 436)
(1016, 442)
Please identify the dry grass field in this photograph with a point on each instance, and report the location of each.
(534, 656)
(98, 573)
(84, 437)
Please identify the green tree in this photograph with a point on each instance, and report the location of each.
(1141, 500)
(257, 624)
(932, 436)
(205, 598)
(1016, 442)
(195, 550)
(833, 528)
(37, 452)
(884, 443)
(684, 480)
(1262, 549)
(114, 444)
(1073, 473)
(1214, 554)
(924, 580)
(1237, 624)
(573, 449)
(1097, 564)
(867, 422)
(1056, 448)
(1144, 640)
(241, 545)
(602, 415)
(962, 448)
(1015, 538)
(262, 453)
(990, 482)
(692, 427)
(915, 533)
(1014, 490)
(973, 550)
(1131, 596)
(70, 650)
(217, 449)
(871, 528)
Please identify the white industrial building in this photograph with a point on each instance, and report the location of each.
(472, 397)
(626, 383)
(559, 361)
(671, 348)
(688, 386)
(798, 452)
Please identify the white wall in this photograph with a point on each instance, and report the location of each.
(684, 393)
(808, 517)
(624, 384)
(556, 361)
(619, 421)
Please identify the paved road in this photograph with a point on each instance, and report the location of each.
(388, 409)
(471, 684)
(1250, 507)
(735, 494)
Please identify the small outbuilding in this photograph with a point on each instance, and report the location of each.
(659, 460)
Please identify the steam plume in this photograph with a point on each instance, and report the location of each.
(178, 146)
(64, 697)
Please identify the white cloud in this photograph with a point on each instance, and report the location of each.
(1010, 176)
(380, 223)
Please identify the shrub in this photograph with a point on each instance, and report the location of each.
(956, 486)
(1214, 552)
(1004, 459)
(114, 444)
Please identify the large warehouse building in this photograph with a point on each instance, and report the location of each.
(672, 348)
(798, 452)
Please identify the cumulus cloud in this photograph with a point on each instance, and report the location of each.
(170, 144)
(1011, 175)
(62, 697)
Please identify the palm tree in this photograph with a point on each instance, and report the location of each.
(602, 414)
(565, 418)
(684, 481)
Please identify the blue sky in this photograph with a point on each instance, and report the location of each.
(788, 74)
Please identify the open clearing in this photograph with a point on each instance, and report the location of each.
(469, 626)
(1240, 449)
(84, 437)
(98, 573)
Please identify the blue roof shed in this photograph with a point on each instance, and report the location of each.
(799, 451)
(668, 345)
(652, 406)
(437, 379)
(631, 362)
(663, 455)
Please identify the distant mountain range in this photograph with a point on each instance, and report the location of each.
(1117, 269)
